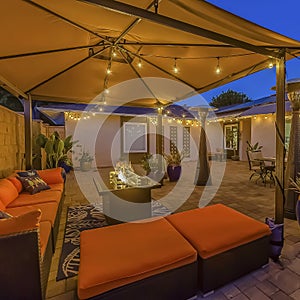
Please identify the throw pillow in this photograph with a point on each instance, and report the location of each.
(34, 184)
(4, 215)
(27, 173)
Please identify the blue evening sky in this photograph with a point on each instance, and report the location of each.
(282, 17)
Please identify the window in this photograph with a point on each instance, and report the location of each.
(231, 136)
(173, 139)
(186, 141)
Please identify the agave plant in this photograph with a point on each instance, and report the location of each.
(56, 149)
(174, 159)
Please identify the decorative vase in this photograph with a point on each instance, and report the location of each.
(174, 172)
(85, 166)
(66, 167)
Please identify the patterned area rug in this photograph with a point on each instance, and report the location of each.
(81, 218)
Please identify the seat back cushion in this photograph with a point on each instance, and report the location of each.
(21, 223)
(16, 182)
(51, 176)
(8, 192)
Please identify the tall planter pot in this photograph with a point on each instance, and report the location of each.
(174, 172)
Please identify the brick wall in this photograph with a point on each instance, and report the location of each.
(12, 142)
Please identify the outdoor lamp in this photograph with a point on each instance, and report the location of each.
(202, 177)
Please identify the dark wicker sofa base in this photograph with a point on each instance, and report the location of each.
(176, 284)
(220, 269)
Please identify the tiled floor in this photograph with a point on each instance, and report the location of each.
(276, 281)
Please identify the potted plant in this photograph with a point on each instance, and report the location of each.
(56, 150)
(295, 186)
(145, 162)
(174, 165)
(85, 161)
(253, 148)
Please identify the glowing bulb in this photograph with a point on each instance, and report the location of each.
(255, 118)
(101, 109)
(93, 114)
(84, 118)
(114, 54)
(271, 65)
(108, 71)
(218, 68)
(104, 102)
(175, 68)
(106, 91)
(266, 117)
(140, 63)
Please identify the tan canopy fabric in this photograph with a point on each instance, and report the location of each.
(60, 50)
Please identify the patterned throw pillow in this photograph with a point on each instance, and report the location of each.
(34, 184)
(27, 173)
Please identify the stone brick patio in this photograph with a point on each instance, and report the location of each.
(277, 281)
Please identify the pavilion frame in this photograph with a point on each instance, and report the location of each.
(273, 52)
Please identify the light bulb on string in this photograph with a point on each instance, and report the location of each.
(114, 53)
(270, 65)
(140, 63)
(218, 68)
(106, 91)
(108, 71)
(175, 68)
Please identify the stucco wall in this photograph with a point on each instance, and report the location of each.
(263, 132)
(12, 142)
(108, 139)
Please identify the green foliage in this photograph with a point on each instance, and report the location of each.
(145, 161)
(86, 157)
(56, 149)
(174, 159)
(228, 98)
(253, 148)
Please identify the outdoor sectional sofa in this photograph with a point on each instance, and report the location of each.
(27, 240)
(171, 258)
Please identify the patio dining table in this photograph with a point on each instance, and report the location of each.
(267, 170)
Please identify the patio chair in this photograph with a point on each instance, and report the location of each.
(259, 167)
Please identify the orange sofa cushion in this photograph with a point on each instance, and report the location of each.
(26, 199)
(2, 207)
(16, 182)
(51, 176)
(8, 192)
(116, 255)
(48, 209)
(217, 228)
(57, 186)
(27, 221)
(45, 234)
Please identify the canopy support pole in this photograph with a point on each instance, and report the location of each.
(159, 142)
(280, 138)
(28, 132)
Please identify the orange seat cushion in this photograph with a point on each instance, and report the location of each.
(2, 207)
(45, 234)
(16, 182)
(116, 255)
(27, 221)
(48, 209)
(26, 199)
(217, 228)
(51, 176)
(8, 192)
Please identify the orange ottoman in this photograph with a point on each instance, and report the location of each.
(146, 260)
(229, 244)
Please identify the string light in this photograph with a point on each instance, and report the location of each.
(218, 68)
(140, 63)
(175, 68)
(108, 71)
(271, 64)
(114, 53)
(106, 91)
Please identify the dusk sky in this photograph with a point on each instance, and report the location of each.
(282, 17)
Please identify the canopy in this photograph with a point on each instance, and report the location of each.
(62, 50)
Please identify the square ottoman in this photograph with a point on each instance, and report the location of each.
(144, 260)
(229, 243)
